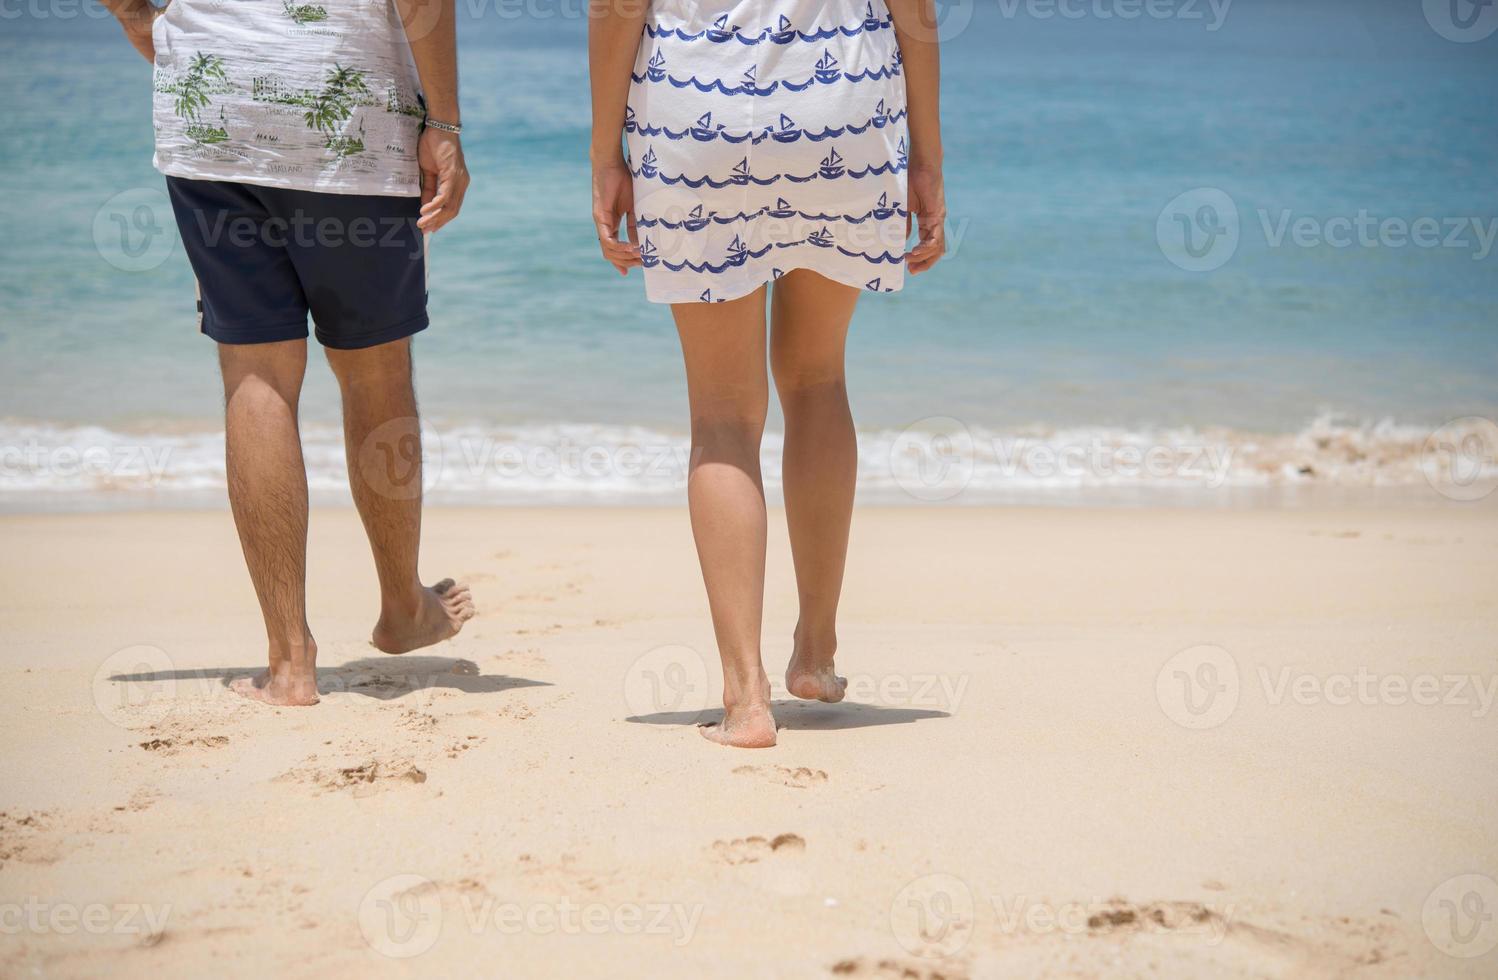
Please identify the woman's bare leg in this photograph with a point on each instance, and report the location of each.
(810, 316)
(724, 348)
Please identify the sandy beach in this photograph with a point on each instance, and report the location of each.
(1107, 743)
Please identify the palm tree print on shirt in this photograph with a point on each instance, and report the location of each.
(191, 93)
(343, 89)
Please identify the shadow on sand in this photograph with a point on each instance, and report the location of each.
(793, 715)
(383, 678)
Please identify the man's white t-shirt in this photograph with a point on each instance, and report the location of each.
(318, 96)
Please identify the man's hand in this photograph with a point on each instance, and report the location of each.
(444, 178)
(137, 18)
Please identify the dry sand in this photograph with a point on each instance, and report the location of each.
(1026, 783)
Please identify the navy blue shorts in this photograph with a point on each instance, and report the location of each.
(265, 257)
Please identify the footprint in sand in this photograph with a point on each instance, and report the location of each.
(749, 850)
(174, 745)
(798, 778)
(903, 969)
(362, 778)
(20, 834)
(1340, 945)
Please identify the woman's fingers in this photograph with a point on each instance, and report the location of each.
(931, 246)
(621, 255)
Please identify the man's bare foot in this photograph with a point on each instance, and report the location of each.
(749, 727)
(813, 678)
(444, 608)
(286, 688)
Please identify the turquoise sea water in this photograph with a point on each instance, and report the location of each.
(1060, 314)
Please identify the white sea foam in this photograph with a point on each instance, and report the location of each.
(936, 459)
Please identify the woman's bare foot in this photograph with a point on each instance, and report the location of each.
(444, 608)
(749, 727)
(812, 677)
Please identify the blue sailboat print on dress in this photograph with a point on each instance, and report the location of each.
(900, 157)
(738, 252)
(740, 173)
(629, 119)
(788, 131)
(821, 239)
(648, 257)
(827, 68)
(695, 220)
(720, 31)
(704, 132)
(881, 115)
(782, 209)
(655, 68)
(882, 210)
(707, 296)
(832, 166)
(872, 284)
(870, 22)
(647, 163)
(784, 33)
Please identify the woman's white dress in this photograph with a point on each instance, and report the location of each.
(766, 136)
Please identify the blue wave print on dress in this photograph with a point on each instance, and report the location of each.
(784, 32)
(782, 210)
(738, 254)
(827, 72)
(786, 132)
(831, 168)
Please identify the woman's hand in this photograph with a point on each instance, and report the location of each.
(928, 209)
(613, 200)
